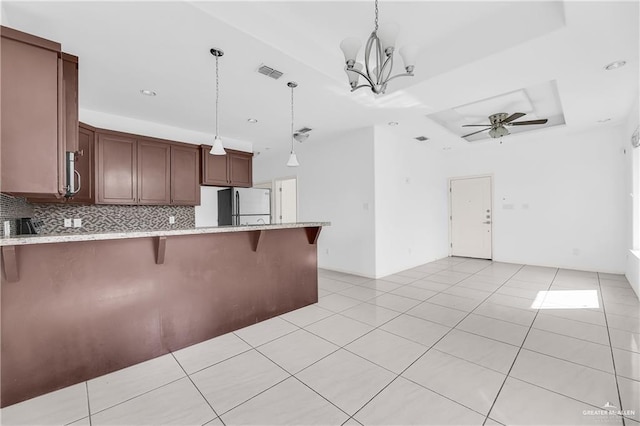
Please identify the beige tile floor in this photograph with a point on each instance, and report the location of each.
(456, 341)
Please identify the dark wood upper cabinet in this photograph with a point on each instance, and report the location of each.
(84, 166)
(116, 169)
(134, 169)
(232, 169)
(32, 124)
(70, 105)
(185, 175)
(154, 167)
(240, 165)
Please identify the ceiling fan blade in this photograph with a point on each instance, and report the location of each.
(476, 125)
(513, 116)
(470, 134)
(526, 123)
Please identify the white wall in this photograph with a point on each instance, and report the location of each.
(568, 196)
(632, 271)
(157, 130)
(207, 212)
(410, 203)
(335, 184)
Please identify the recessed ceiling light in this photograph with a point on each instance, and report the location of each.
(252, 120)
(615, 65)
(393, 123)
(604, 120)
(148, 92)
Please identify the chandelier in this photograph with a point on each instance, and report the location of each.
(378, 58)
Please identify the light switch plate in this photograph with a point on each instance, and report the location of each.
(77, 223)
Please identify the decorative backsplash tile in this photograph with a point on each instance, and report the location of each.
(12, 208)
(97, 218)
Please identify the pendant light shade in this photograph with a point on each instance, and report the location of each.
(217, 148)
(293, 159)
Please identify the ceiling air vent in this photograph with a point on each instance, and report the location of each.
(421, 138)
(269, 72)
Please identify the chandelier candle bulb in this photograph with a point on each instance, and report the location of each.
(388, 33)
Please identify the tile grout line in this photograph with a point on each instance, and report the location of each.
(198, 389)
(518, 353)
(86, 385)
(613, 358)
(430, 347)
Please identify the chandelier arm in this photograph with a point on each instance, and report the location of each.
(408, 74)
(360, 73)
(353, 89)
(388, 61)
(367, 55)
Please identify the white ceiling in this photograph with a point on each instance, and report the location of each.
(470, 51)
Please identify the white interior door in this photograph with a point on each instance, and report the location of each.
(470, 212)
(286, 201)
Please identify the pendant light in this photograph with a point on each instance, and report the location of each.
(217, 148)
(293, 159)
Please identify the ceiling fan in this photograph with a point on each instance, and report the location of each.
(498, 121)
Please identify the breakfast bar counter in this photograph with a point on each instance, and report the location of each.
(77, 306)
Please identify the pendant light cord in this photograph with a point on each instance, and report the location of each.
(292, 139)
(217, 96)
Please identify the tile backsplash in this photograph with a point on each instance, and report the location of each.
(97, 218)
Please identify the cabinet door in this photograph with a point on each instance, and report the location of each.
(84, 166)
(116, 170)
(214, 168)
(30, 154)
(70, 89)
(154, 168)
(240, 165)
(185, 175)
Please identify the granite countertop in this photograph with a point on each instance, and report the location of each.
(63, 238)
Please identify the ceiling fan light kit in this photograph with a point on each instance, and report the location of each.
(378, 57)
(498, 122)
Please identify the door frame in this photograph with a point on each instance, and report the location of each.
(449, 213)
(271, 184)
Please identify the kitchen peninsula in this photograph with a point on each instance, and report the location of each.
(78, 306)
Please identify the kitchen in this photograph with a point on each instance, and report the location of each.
(372, 201)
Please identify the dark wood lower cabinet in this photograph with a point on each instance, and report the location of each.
(84, 309)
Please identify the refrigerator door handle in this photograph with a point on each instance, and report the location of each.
(237, 208)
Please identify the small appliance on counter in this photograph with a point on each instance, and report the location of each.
(244, 206)
(27, 226)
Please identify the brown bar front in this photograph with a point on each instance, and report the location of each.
(83, 309)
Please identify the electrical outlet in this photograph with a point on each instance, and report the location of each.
(67, 223)
(77, 223)
(7, 228)
(172, 220)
